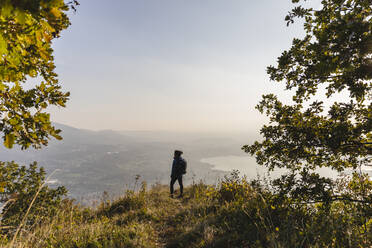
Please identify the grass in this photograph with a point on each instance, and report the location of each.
(233, 214)
(143, 219)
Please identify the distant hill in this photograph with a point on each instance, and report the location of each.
(73, 135)
(90, 162)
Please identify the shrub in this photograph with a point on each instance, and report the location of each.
(19, 187)
(253, 215)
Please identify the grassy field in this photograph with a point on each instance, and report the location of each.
(236, 213)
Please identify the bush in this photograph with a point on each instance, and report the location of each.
(234, 188)
(19, 186)
(254, 215)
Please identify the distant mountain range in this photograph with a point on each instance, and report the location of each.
(90, 162)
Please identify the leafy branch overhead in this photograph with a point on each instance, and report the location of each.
(27, 29)
(335, 54)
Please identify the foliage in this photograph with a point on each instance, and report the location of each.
(27, 29)
(334, 54)
(309, 187)
(267, 218)
(233, 188)
(20, 186)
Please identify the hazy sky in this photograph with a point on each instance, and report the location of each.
(191, 65)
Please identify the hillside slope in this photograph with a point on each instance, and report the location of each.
(236, 213)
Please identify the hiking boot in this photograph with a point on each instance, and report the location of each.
(180, 196)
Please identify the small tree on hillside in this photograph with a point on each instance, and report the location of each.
(335, 54)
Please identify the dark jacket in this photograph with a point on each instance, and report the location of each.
(176, 170)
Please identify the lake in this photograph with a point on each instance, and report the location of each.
(247, 166)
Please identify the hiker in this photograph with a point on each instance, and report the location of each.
(178, 170)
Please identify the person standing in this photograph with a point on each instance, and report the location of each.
(178, 170)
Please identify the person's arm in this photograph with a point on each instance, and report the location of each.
(173, 168)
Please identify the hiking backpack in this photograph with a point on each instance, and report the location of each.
(182, 166)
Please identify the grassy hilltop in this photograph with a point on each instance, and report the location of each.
(236, 213)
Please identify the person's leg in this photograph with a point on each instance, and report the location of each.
(181, 184)
(173, 180)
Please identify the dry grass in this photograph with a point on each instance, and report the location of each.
(231, 215)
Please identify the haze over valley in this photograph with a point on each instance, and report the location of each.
(88, 162)
(91, 162)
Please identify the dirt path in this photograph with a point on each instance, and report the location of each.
(168, 227)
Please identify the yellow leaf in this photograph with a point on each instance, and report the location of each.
(56, 12)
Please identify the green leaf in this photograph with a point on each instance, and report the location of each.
(2, 86)
(13, 121)
(58, 137)
(21, 16)
(6, 10)
(9, 140)
(3, 46)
